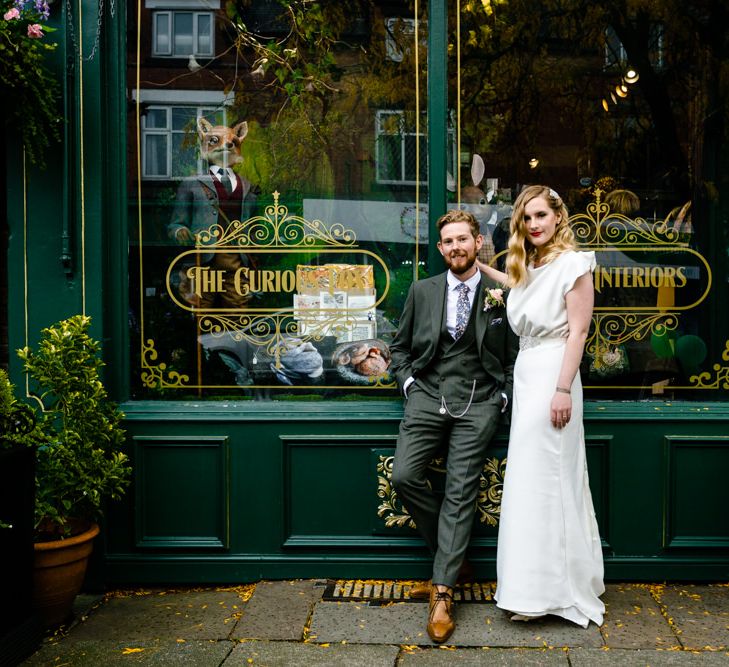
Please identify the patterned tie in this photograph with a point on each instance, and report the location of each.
(463, 309)
(226, 180)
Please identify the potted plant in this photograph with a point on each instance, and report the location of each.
(80, 462)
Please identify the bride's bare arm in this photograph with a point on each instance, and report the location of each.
(491, 272)
(580, 300)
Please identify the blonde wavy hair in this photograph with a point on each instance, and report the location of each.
(521, 251)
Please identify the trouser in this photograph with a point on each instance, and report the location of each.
(445, 524)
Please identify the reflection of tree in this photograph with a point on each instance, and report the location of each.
(313, 88)
(530, 67)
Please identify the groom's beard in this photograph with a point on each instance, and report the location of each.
(460, 261)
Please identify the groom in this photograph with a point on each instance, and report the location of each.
(453, 356)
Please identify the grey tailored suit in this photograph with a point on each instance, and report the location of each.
(196, 206)
(426, 428)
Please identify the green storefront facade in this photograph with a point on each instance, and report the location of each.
(249, 350)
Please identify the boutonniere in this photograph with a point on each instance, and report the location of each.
(494, 299)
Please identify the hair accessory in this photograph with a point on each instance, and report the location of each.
(553, 194)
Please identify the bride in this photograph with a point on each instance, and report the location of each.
(549, 558)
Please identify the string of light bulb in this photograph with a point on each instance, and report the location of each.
(621, 89)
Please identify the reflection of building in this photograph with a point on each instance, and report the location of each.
(236, 481)
(182, 56)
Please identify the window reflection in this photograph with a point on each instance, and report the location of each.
(610, 106)
(624, 113)
(282, 170)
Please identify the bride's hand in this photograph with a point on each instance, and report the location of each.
(561, 409)
(491, 272)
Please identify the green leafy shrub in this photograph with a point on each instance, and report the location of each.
(17, 421)
(80, 462)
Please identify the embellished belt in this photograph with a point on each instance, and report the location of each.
(525, 342)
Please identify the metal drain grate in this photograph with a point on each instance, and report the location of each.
(384, 591)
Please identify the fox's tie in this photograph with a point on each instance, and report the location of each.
(226, 180)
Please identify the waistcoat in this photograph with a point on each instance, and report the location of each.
(457, 364)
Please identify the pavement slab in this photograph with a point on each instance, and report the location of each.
(286, 654)
(286, 623)
(633, 619)
(278, 610)
(700, 614)
(476, 625)
(475, 657)
(102, 653)
(202, 615)
(644, 658)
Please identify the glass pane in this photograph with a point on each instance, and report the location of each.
(611, 110)
(184, 156)
(204, 35)
(389, 158)
(155, 163)
(183, 33)
(410, 162)
(155, 118)
(184, 118)
(216, 116)
(286, 283)
(162, 34)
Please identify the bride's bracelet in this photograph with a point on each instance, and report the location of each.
(563, 390)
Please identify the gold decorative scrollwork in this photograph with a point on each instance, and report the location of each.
(488, 502)
(156, 376)
(721, 378)
(276, 229)
(618, 328)
(391, 509)
(491, 486)
(598, 226)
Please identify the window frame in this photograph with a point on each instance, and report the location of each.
(172, 14)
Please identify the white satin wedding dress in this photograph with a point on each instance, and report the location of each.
(549, 557)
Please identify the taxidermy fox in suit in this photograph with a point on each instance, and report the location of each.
(216, 197)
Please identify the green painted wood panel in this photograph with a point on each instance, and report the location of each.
(181, 486)
(697, 492)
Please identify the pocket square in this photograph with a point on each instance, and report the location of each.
(498, 320)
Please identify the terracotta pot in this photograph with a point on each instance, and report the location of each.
(60, 567)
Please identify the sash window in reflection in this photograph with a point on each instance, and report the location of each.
(167, 150)
(179, 34)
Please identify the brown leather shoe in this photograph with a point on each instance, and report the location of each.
(421, 591)
(440, 630)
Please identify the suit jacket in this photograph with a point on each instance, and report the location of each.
(421, 323)
(196, 206)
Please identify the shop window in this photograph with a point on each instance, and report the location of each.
(167, 150)
(278, 267)
(180, 34)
